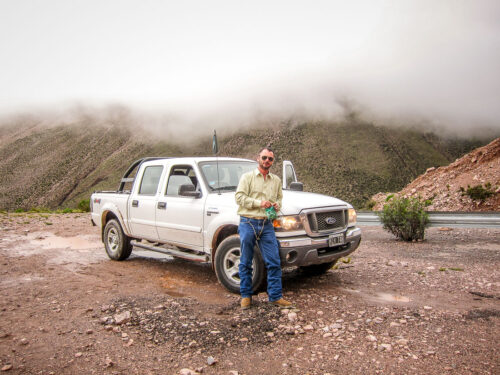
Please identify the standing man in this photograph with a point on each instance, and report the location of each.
(258, 190)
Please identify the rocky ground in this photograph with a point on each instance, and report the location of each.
(428, 307)
(445, 187)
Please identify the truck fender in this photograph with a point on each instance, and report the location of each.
(219, 228)
(110, 209)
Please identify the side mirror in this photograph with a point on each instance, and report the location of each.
(189, 190)
(297, 186)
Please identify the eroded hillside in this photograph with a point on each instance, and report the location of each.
(448, 188)
(59, 164)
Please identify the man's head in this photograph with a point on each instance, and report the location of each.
(265, 158)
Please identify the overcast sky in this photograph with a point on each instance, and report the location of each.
(439, 59)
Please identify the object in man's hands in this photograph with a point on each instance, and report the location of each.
(271, 213)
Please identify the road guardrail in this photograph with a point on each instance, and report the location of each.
(443, 219)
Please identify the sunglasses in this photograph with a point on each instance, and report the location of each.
(264, 157)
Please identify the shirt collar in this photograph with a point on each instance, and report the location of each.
(257, 172)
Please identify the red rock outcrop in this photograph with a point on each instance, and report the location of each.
(443, 185)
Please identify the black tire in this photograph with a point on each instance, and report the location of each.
(116, 243)
(227, 259)
(318, 269)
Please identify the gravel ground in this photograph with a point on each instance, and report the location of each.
(428, 307)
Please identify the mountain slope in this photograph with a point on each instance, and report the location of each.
(60, 164)
(445, 187)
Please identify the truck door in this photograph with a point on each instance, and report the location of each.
(142, 204)
(179, 219)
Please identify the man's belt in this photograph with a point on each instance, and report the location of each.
(256, 217)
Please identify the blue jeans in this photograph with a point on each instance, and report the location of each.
(268, 245)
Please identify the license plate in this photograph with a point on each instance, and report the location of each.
(335, 240)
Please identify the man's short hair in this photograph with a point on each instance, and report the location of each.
(268, 148)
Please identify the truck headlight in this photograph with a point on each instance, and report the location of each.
(288, 223)
(352, 217)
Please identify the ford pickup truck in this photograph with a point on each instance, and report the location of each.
(185, 207)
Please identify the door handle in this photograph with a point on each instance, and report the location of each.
(162, 205)
(135, 203)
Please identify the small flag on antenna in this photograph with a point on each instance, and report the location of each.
(215, 146)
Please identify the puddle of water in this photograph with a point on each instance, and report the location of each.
(386, 297)
(10, 282)
(71, 252)
(74, 243)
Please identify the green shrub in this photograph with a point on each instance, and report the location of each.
(370, 204)
(405, 218)
(478, 192)
(84, 205)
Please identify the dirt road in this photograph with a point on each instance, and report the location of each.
(401, 308)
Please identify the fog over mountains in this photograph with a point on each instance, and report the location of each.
(58, 162)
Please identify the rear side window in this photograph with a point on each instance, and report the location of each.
(150, 180)
(180, 175)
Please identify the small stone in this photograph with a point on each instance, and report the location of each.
(129, 342)
(427, 307)
(336, 326)
(308, 328)
(328, 334)
(336, 357)
(270, 334)
(319, 312)
(89, 331)
(233, 372)
(122, 318)
(108, 362)
(211, 361)
(392, 263)
(394, 324)
(371, 338)
(24, 341)
(386, 347)
(78, 355)
(292, 316)
(402, 342)
(187, 371)
(7, 368)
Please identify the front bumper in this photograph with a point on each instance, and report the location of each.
(306, 251)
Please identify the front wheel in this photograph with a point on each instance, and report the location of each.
(117, 244)
(227, 261)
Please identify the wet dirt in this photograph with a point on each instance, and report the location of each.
(430, 307)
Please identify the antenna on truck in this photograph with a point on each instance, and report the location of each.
(215, 149)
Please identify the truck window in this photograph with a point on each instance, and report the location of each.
(150, 180)
(180, 175)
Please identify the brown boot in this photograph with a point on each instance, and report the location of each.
(246, 303)
(283, 303)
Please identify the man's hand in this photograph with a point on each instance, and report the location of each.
(276, 207)
(265, 204)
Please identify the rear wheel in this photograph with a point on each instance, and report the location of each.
(227, 261)
(318, 269)
(117, 244)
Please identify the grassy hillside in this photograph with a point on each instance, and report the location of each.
(60, 165)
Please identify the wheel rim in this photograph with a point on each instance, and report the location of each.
(113, 240)
(231, 264)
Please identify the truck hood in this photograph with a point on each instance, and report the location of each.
(296, 201)
(293, 201)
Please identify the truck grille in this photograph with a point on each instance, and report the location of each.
(326, 221)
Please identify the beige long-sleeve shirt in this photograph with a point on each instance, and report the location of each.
(253, 189)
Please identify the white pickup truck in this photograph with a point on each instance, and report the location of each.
(185, 207)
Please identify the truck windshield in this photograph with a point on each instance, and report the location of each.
(228, 176)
